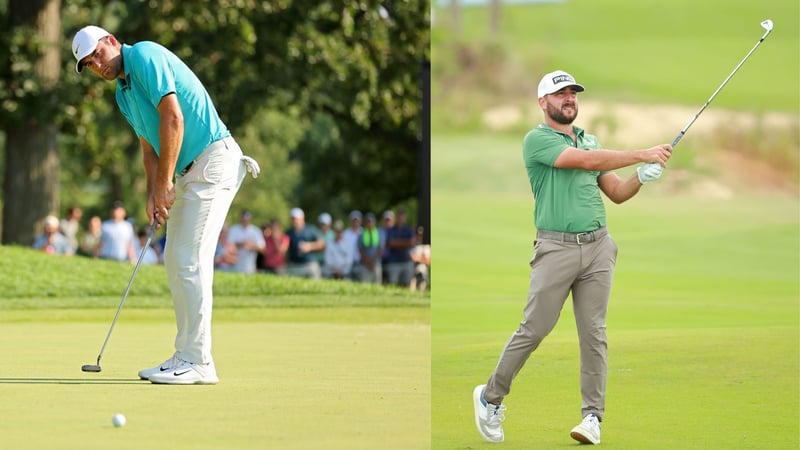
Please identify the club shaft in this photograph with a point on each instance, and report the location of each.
(130, 283)
(686, 128)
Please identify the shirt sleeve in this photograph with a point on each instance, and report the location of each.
(540, 147)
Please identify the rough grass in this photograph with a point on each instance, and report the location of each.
(77, 282)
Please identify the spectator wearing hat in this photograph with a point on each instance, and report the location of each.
(303, 240)
(249, 242)
(338, 255)
(351, 235)
(370, 248)
(51, 240)
(325, 221)
(323, 227)
(116, 236)
(399, 242)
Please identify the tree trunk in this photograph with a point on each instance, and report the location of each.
(31, 183)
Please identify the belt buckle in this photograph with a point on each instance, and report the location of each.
(578, 237)
(186, 169)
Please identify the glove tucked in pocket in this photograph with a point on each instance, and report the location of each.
(251, 165)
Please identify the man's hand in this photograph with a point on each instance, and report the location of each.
(163, 198)
(658, 154)
(649, 172)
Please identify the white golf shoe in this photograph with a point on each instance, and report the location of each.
(187, 373)
(488, 417)
(169, 364)
(588, 431)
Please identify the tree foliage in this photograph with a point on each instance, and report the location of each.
(325, 95)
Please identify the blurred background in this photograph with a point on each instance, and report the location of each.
(326, 95)
(648, 67)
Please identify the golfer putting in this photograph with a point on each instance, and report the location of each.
(193, 167)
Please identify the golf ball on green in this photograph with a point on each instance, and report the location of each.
(118, 420)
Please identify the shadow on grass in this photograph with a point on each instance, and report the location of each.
(71, 381)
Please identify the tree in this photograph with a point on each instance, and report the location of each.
(314, 88)
(29, 79)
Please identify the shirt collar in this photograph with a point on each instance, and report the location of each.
(575, 129)
(124, 82)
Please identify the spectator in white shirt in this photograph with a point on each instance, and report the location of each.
(249, 242)
(338, 255)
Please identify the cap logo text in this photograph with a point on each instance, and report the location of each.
(562, 79)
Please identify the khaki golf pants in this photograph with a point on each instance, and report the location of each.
(556, 269)
(203, 197)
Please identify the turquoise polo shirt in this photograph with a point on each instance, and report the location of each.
(567, 200)
(151, 72)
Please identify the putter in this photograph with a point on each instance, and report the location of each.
(96, 367)
(767, 25)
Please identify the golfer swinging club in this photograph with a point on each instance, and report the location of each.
(573, 251)
(194, 169)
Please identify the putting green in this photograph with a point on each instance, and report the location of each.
(284, 384)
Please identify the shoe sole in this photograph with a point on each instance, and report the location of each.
(578, 436)
(185, 383)
(476, 403)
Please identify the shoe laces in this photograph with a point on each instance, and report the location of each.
(497, 414)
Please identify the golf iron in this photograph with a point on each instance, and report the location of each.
(96, 367)
(767, 25)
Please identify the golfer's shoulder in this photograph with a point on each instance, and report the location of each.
(540, 136)
(145, 51)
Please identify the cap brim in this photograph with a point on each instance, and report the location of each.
(578, 87)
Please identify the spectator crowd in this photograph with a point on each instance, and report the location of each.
(364, 251)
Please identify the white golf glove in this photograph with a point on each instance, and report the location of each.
(649, 172)
(251, 165)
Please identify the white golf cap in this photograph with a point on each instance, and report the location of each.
(297, 213)
(325, 218)
(85, 42)
(555, 81)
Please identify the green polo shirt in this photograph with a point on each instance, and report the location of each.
(567, 200)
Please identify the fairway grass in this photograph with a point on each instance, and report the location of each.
(292, 378)
(703, 325)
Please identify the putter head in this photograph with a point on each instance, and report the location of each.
(767, 25)
(91, 368)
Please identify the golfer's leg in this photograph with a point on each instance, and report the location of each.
(552, 270)
(206, 201)
(171, 265)
(590, 303)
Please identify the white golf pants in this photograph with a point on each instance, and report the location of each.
(203, 197)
